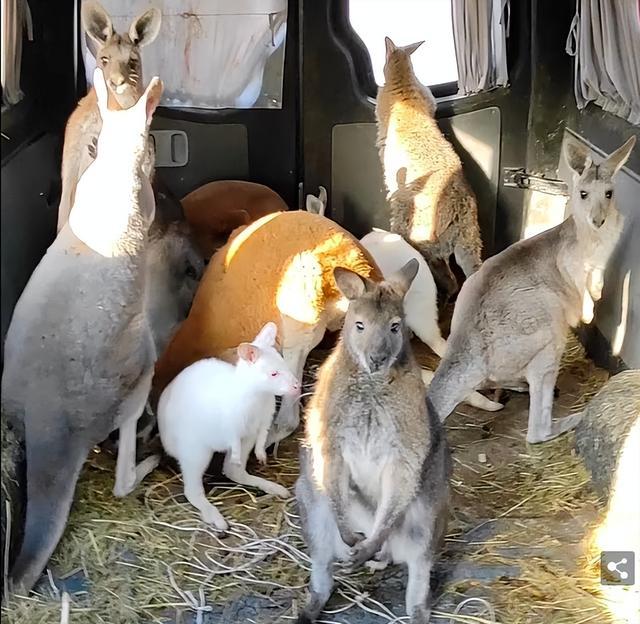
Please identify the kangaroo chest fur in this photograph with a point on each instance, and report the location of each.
(373, 423)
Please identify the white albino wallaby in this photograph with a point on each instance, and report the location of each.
(79, 352)
(213, 406)
(511, 319)
(391, 252)
(119, 58)
(317, 205)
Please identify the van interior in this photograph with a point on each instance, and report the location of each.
(283, 93)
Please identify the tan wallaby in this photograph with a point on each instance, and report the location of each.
(119, 58)
(375, 466)
(432, 205)
(511, 318)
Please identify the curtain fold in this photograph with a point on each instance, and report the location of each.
(16, 18)
(604, 40)
(480, 31)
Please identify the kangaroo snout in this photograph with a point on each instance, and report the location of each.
(376, 362)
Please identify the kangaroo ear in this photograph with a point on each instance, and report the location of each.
(314, 205)
(96, 22)
(389, 46)
(102, 94)
(577, 156)
(405, 276)
(412, 47)
(322, 195)
(145, 28)
(151, 97)
(350, 284)
(248, 352)
(614, 162)
(267, 335)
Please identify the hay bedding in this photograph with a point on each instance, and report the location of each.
(515, 550)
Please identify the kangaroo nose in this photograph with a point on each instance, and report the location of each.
(117, 80)
(375, 362)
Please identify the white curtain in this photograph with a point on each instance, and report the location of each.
(210, 53)
(605, 43)
(16, 17)
(480, 31)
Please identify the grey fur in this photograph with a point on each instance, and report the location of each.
(512, 316)
(375, 467)
(79, 353)
(175, 267)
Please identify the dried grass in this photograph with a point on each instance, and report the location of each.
(149, 558)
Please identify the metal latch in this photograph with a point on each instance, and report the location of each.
(517, 177)
(171, 147)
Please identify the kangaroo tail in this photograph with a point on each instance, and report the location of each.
(452, 383)
(54, 460)
(473, 398)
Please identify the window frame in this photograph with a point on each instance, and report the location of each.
(360, 60)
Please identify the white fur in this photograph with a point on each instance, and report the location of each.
(99, 219)
(391, 252)
(317, 205)
(213, 406)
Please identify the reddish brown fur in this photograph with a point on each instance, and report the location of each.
(233, 302)
(216, 209)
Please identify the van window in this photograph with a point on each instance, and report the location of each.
(408, 21)
(216, 54)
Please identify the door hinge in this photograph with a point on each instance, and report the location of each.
(517, 177)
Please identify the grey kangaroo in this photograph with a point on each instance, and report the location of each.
(79, 352)
(375, 466)
(119, 58)
(511, 319)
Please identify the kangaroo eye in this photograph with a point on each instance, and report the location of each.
(104, 60)
(359, 326)
(190, 272)
(395, 328)
(608, 194)
(584, 194)
(275, 373)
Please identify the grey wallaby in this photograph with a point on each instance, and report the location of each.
(375, 465)
(431, 204)
(79, 351)
(175, 266)
(118, 55)
(511, 318)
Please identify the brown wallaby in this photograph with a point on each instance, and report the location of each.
(432, 205)
(119, 58)
(79, 351)
(511, 318)
(375, 465)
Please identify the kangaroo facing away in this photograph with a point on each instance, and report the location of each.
(375, 465)
(79, 352)
(119, 58)
(511, 318)
(432, 205)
